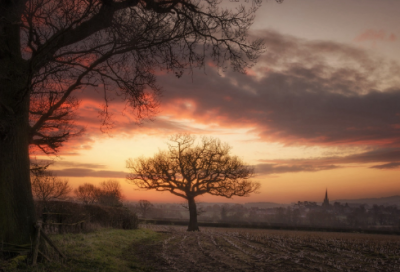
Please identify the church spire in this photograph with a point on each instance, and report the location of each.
(325, 204)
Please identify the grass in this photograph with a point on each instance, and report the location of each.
(101, 250)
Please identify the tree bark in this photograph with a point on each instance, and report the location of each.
(17, 214)
(193, 226)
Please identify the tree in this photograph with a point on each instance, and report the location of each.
(188, 170)
(144, 207)
(51, 49)
(46, 186)
(87, 193)
(109, 193)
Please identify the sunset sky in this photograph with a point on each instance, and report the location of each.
(320, 109)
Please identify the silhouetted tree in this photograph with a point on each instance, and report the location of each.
(109, 193)
(358, 217)
(189, 170)
(87, 193)
(144, 207)
(51, 49)
(46, 186)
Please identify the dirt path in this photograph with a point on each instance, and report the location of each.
(227, 250)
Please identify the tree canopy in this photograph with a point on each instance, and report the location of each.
(188, 170)
(107, 194)
(117, 46)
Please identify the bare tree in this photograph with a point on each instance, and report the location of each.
(109, 193)
(144, 207)
(87, 193)
(46, 186)
(51, 49)
(188, 170)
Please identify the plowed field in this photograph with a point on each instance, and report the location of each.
(217, 249)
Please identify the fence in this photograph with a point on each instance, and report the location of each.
(55, 223)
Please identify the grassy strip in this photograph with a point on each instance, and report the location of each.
(102, 250)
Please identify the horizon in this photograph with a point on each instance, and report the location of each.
(263, 202)
(319, 110)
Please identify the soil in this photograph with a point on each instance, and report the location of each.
(223, 250)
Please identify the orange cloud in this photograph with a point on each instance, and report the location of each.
(375, 35)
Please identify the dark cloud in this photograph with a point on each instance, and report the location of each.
(310, 93)
(300, 93)
(79, 165)
(391, 165)
(379, 155)
(267, 169)
(82, 172)
(391, 156)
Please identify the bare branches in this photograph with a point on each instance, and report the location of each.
(189, 170)
(118, 45)
(108, 194)
(46, 186)
(87, 193)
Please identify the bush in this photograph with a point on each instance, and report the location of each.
(116, 217)
(63, 216)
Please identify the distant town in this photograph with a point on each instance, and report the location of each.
(374, 213)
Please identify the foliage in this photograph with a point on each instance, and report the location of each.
(69, 213)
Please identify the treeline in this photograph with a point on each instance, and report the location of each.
(65, 216)
(91, 206)
(306, 214)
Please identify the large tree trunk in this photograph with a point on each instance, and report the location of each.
(193, 215)
(17, 214)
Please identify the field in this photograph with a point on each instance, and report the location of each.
(172, 248)
(216, 249)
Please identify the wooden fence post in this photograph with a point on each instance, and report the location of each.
(37, 242)
(53, 245)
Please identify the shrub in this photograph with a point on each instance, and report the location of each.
(62, 216)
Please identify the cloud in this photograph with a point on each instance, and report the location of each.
(320, 93)
(82, 172)
(378, 155)
(79, 165)
(391, 165)
(299, 93)
(376, 35)
(267, 169)
(75, 169)
(391, 156)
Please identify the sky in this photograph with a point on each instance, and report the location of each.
(320, 109)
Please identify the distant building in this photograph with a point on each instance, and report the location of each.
(325, 204)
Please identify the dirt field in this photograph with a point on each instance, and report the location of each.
(217, 249)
